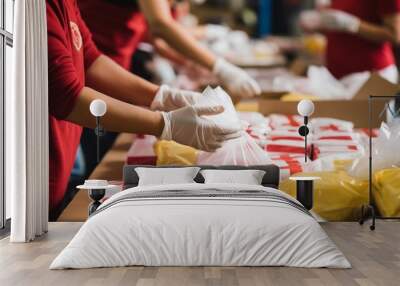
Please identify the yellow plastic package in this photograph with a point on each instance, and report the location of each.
(314, 44)
(172, 153)
(294, 96)
(249, 106)
(337, 196)
(387, 192)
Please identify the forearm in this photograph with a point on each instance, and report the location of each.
(377, 33)
(167, 52)
(120, 116)
(178, 38)
(107, 77)
(163, 25)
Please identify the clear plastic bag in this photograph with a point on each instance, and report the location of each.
(242, 151)
(385, 152)
(331, 163)
(253, 118)
(218, 96)
(326, 86)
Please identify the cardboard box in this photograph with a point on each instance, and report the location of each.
(355, 110)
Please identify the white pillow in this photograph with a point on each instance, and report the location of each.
(247, 177)
(166, 176)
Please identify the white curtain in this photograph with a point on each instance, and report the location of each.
(27, 124)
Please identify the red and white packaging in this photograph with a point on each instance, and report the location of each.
(330, 124)
(344, 136)
(285, 147)
(285, 122)
(320, 151)
(328, 143)
(258, 132)
(290, 135)
(289, 165)
(365, 132)
(141, 151)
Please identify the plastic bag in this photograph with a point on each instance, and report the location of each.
(324, 124)
(330, 163)
(240, 151)
(243, 151)
(325, 85)
(387, 192)
(253, 118)
(218, 96)
(337, 196)
(385, 152)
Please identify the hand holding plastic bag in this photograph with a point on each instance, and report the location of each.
(189, 126)
(243, 150)
(168, 99)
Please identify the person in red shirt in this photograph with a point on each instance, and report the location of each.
(360, 35)
(119, 25)
(79, 73)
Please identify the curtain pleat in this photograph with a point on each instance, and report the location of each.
(27, 120)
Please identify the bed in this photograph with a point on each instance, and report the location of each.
(198, 224)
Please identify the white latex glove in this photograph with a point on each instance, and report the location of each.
(188, 127)
(323, 3)
(339, 21)
(168, 99)
(329, 19)
(236, 80)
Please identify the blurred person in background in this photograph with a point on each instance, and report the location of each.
(285, 15)
(79, 73)
(360, 35)
(129, 22)
(119, 27)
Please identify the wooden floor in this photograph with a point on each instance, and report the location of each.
(110, 168)
(375, 257)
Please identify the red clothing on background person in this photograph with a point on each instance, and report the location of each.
(117, 26)
(347, 53)
(70, 53)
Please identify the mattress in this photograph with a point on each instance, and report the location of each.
(201, 225)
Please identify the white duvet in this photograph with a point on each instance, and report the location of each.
(202, 231)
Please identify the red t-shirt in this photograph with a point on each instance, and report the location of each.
(117, 27)
(348, 53)
(70, 52)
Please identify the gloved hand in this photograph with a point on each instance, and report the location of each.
(187, 126)
(339, 21)
(329, 19)
(236, 80)
(323, 3)
(168, 99)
